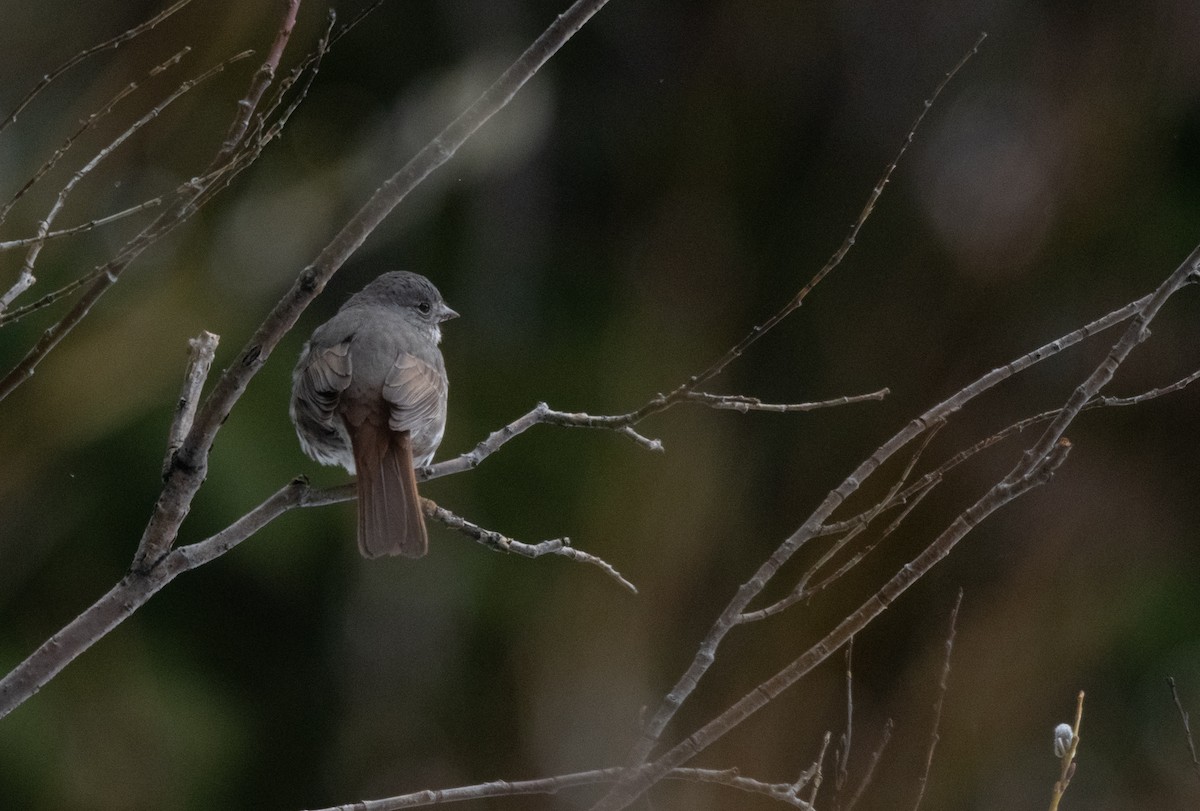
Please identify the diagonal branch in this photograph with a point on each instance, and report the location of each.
(999, 495)
(1036, 467)
(813, 526)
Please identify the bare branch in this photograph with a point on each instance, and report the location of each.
(841, 755)
(876, 756)
(943, 682)
(1004, 492)
(730, 778)
(850, 530)
(107, 45)
(57, 155)
(1068, 758)
(1187, 727)
(25, 242)
(1137, 399)
(814, 525)
(201, 351)
(502, 543)
(737, 402)
(111, 271)
(836, 259)
(813, 775)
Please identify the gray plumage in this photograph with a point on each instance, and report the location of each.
(369, 394)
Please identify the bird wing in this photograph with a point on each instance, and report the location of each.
(414, 392)
(321, 383)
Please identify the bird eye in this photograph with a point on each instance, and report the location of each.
(424, 307)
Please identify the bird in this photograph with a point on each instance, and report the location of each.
(369, 394)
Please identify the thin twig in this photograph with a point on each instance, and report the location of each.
(850, 530)
(502, 543)
(876, 756)
(730, 778)
(943, 682)
(1137, 399)
(729, 618)
(1037, 465)
(1039, 472)
(836, 259)
(740, 403)
(84, 126)
(813, 777)
(25, 242)
(1068, 758)
(51, 337)
(841, 756)
(107, 45)
(25, 279)
(1187, 727)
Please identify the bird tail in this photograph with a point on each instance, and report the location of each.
(389, 511)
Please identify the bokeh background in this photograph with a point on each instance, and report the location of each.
(666, 182)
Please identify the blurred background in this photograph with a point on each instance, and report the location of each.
(669, 180)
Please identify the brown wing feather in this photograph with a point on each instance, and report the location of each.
(414, 391)
(317, 388)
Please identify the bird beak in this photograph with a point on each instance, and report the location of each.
(447, 314)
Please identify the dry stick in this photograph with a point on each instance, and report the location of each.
(304, 497)
(850, 531)
(1068, 758)
(747, 592)
(921, 485)
(108, 45)
(84, 126)
(911, 495)
(814, 526)
(26, 277)
(876, 756)
(813, 777)
(841, 756)
(743, 404)
(58, 154)
(179, 212)
(840, 253)
(943, 682)
(189, 464)
(730, 778)
(201, 351)
(25, 242)
(1187, 727)
(501, 543)
(1001, 494)
(1036, 467)
(51, 337)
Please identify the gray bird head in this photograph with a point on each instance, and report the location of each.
(410, 292)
